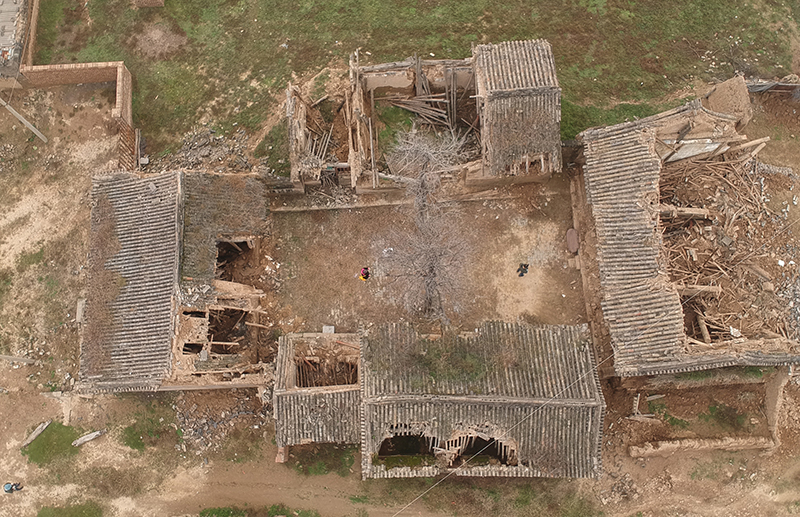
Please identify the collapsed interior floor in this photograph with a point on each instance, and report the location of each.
(729, 263)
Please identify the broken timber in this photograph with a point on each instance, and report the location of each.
(88, 437)
(36, 432)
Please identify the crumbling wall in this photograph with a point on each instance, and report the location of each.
(148, 3)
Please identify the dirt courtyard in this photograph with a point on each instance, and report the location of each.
(321, 253)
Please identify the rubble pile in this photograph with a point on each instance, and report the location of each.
(745, 248)
(205, 149)
(206, 418)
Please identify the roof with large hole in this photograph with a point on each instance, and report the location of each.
(640, 306)
(132, 282)
(216, 206)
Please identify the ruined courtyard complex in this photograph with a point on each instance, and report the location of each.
(524, 294)
(185, 267)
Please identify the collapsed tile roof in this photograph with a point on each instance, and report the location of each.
(520, 105)
(640, 305)
(533, 388)
(217, 206)
(329, 414)
(132, 282)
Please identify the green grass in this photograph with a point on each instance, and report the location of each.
(404, 460)
(695, 376)
(321, 459)
(660, 409)
(51, 20)
(151, 427)
(575, 118)
(87, 509)
(26, 260)
(6, 279)
(359, 499)
(223, 512)
(54, 443)
(395, 120)
(240, 54)
(725, 417)
(275, 147)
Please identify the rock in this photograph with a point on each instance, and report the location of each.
(768, 287)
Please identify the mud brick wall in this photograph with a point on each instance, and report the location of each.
(123, 110)
(30, 33)
(79, 73)
(126, 146)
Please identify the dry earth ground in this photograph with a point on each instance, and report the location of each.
(321, 252)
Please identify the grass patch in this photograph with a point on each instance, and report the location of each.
(695, 376)
(404, 460)
(660, 409)
(242, 445)
(27, 260)
(223, 512)
(151, 427)
(321, 459)
(51, 21)
(275, 148)
(725, 417)
(239, 55)
(6, 279)
(754, 372)
(394, 120)
(54, 443)
(87, 509)
(451, 359)
(575, 118)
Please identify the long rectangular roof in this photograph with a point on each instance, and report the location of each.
(132, 281)
(501, 360)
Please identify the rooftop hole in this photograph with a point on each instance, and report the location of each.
(316, 371)
(233, 259)
(227, 326)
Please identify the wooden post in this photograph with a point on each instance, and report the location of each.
(701, 322)
(696, 290)
(674, 212)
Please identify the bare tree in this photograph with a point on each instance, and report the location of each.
(427, 263)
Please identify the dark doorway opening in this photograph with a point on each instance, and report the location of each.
(192, 348)
(488, 451)
(406, 445)
(194, 314)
